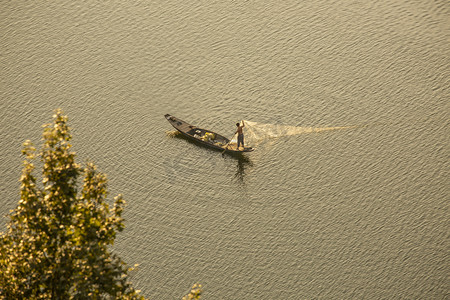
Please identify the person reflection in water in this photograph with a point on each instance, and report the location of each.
(240, 132)
(243, 164)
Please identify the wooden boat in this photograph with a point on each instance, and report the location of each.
(205, 137)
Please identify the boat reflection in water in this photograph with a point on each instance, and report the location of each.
(243, 162)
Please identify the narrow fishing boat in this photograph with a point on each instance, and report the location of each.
(205, 137)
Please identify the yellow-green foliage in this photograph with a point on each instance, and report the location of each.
(56, 243)
(195, 292)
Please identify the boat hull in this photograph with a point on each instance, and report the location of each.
(205, 137)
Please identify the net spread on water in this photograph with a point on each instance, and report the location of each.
(255, 132)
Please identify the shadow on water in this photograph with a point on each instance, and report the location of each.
(243, 165)
(243, 162)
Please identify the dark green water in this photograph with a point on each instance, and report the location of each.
(359, 213)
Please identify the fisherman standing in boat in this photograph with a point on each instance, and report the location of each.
(240, 132)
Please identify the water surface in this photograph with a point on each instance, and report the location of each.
(358, 213)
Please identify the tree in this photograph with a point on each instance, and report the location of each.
(57, 239)
(194, 293)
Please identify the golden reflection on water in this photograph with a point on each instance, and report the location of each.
(347, 214)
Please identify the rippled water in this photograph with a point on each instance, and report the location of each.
(358, 213)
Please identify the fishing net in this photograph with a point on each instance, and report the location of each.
(255, 132)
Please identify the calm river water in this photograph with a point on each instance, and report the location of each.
(358, 213)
